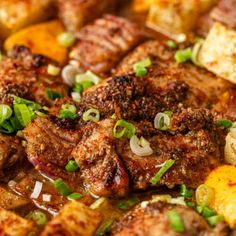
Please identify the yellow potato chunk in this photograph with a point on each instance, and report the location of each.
(143, 5)
(218, 52)
(16, 14)
(223, 181)
(41, 39)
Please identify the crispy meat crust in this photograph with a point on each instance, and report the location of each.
(152, 219)
(102, 44)
(25, 75)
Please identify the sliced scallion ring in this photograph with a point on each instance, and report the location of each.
(39, 217)
(53, 70)
(66, 39)
(176, 221)
(69, 72)
(204, 195)
(23, 114)
(62, 187)
(195, 52)
(5, 112)
(88, 76)
(123, 128)
(162, 120)
(76, 96)
(140, 147)
(91, 115)
(183, 55)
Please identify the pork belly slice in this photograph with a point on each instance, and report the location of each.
(152, 218)
(204, 87)
(11, 153)
(25, 75)
(102, 44)
(76, 13)
(74, 219)
(109, 167)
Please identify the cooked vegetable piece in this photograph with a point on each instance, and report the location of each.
(41, 39)
(176, 222)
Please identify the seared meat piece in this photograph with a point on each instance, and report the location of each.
(50, 141)
(102, 169)
(77, 13)
(224, 12)
(105, 161)
(11, 152)
(102, 44)
(152, 219)
(135, 98)
(25, 75)
(204, 87)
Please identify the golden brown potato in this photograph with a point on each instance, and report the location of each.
(41, 39)
(16, 14)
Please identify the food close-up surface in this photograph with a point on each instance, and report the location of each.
(117, 117)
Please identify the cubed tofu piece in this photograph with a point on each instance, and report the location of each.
(174, 17)
(218, 52)
(10, 200)
(74, 219)
(222, 180)
(41, 39)
(77, 13)
(16, 14)
(14, 225)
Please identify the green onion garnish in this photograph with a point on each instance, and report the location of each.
(74, 196)
(123, 128)
(53, 70)
(78, 88)
(185, 192)
(190, 204)
(5, 112)
(53, 94)
(176, 221)
(204, 195)
(205, 211)
(162, 171)
(163, 120)
(38, 217)
(86, 84)
(171, 44)
(140, 68)
(23, 114)
(104, 228)
(6, 127)
(66, 39)
(68, 111)
(224, 123)
(127, 204)
(91, 115)
(61, 187)
(71, 166)
(88, 76)
(183, 55)
(214, 220)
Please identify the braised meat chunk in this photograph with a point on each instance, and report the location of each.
(103, 43)
(152, 219)
(25, 75)
(77, 13)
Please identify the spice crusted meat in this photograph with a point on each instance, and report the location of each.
(102, 44)
(151, 218)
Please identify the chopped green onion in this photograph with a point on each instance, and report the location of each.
(32, 105)
(23, 114)
(185, 192)
(162, 171)
(61, 187)
(69, 107)
(190, 204)
(204, 195)
(78, 88)
(91, 115)
(74, 196)
(53, 94)
(53, 70)
(1, 56)
(66, 39)
(224, 123)
(127, 204)
(5, 112)
(88, 76)
(86, 84)
(6, 127)
(65, 114)
(71, 166)
(16, 125)
(98, 203)
(39, 217)
(205, 211)
(176, 221)
(123, 128)
(140, 68)
(183, 55)
(104, 228)
(214, 220)
(162, 120)
(113, 116)
(171, 44)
